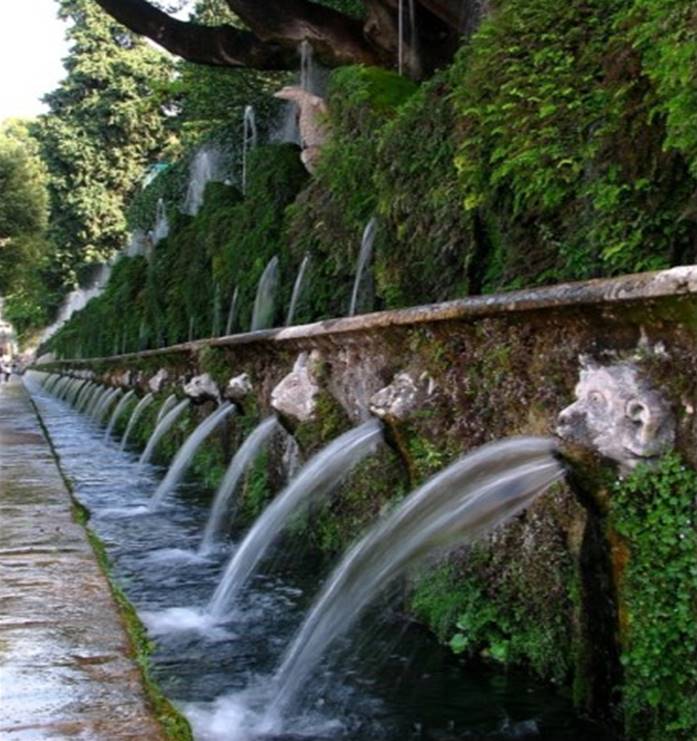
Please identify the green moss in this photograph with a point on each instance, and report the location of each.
(561, 153)
(425, 457)
(256, 490)
(654, 512)
(354, 89)
(174, 724)
(438, 600)
(213, 360)
(209, 463)
(373, 485)
(429, 241)
(329, 421)
(507, 603)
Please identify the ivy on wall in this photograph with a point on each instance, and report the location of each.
(654, 512)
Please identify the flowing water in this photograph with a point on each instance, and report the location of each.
(71, 388)
(118, 411)
(77, 300)
(162, 428)
(407, 48)
(141, 406)
(232, 311)
(103, 408)
(95, 400)
(183, 458)
(169, 403)
(297, 290)
(393, 682)
(249, 142)
(204, 168)
(246, 454)
(83, 394)
(315, 478)
(457, 506)
(100, 401)
(265, 301)
(160, 230)
(364, 257)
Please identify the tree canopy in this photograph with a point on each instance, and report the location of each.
(24, 249)
(23, 201)
(105, 124)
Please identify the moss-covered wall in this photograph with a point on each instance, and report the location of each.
(557, 146)
(545, 591)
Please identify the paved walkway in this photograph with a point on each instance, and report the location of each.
(64, 666)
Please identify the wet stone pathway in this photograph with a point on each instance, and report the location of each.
(65, 671)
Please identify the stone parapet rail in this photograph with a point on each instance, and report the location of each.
(647, 291)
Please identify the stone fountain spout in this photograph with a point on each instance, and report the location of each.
(201, 389)
(158, 381)
(406, 395)
(295, 397)
(618, 414)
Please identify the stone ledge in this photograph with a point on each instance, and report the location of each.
(628, 290)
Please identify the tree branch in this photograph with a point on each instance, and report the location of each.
(277, 27)
(222, 46)
(335, 36)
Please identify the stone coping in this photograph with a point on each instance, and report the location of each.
(639, 288)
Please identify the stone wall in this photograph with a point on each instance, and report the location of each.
(547, 589)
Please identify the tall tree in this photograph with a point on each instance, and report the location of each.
(24, 250)
(105, 123)
(273, 29)
(23, 198)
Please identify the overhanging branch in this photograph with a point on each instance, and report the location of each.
(222, 46)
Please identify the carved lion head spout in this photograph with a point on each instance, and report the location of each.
(618, 414)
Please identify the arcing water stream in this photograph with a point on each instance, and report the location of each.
(383, 681)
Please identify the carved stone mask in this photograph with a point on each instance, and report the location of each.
(619, 415)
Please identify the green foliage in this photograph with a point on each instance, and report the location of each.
(554, 148)
(559, 153)
(256, 489)
(328, 219)
(169, 185)
(665, 34)
(24, 202)
(105, 123)
(654, 511)
(24, 249)
(361, 100)
(420, 201)
(507, 602)
(252, 233)
(186, 287)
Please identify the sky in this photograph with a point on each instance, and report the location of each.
(32, 46)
